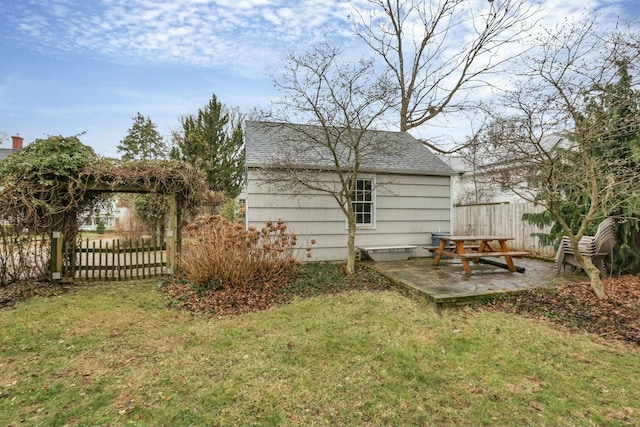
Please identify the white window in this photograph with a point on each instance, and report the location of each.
(362, 200)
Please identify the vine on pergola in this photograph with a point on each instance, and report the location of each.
(52, 183)
(150, 176)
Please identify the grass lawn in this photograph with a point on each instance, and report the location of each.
(114, 354)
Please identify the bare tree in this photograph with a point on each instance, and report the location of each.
(337, 102)
(440, 51)
(557, 143)
(479, 186)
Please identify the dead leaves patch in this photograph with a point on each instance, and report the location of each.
(11, 294)
(262, 295)
(577, 307)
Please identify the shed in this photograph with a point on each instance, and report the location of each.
(405, 188)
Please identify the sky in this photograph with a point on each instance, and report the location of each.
(87, 67)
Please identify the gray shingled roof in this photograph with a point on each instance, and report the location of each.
(6, 152)
(269, 143)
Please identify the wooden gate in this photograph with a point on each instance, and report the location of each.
(118, 260)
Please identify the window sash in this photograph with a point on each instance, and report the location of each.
(362, 202)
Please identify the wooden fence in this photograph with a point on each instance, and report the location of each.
(502, 219)
(118, 260)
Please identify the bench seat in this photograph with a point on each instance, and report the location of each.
(435, 248)
(389, 253)
(472, 255)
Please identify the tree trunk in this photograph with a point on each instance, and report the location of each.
(596, 282)
(404, 113)
(351, 247)
(594, 275)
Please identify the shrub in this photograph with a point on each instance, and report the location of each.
(130, 228)
(100, 227)
(218, 253)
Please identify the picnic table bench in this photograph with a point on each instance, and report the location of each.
(481, 247)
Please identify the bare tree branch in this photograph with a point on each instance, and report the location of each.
(438, 51)
(336, 103)
(555, 141)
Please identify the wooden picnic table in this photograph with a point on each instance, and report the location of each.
(476, 248)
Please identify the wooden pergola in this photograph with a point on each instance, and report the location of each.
(173, 231)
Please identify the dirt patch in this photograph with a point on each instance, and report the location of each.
(577, 307)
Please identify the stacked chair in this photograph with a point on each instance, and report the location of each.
(595, 248)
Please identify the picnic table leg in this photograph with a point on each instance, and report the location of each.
(485, 246)
(465, 262)
(466, 266)
(507, 258)
(436, 259)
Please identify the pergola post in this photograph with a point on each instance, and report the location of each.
(174, 234)
(55, 265)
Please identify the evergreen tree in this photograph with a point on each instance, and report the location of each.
(143, 141)
(213, 143)
(617, 110)
(613, 111)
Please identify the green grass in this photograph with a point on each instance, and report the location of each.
(114, 354)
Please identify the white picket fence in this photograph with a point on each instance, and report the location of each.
(504, 220)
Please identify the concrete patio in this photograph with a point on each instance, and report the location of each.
(447, 284)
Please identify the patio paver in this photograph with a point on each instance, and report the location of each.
(447, 284)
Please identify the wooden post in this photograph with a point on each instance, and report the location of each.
(178, 232)
(56, 257)
(172, 249)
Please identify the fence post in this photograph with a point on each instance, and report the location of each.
(56, 256)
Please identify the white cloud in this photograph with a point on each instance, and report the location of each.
(238, 35)
(225, 37)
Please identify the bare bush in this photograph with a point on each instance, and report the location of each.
(130, 228)
(23, 257)
(218, 253)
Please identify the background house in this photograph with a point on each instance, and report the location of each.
(16, 146)
(482, 180)
(112, 217)
(406, 191)
(483, 205)
(472, 185)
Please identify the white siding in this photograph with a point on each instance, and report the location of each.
(407, 209)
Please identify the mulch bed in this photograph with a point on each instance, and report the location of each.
(577, 307)
(258, 296)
